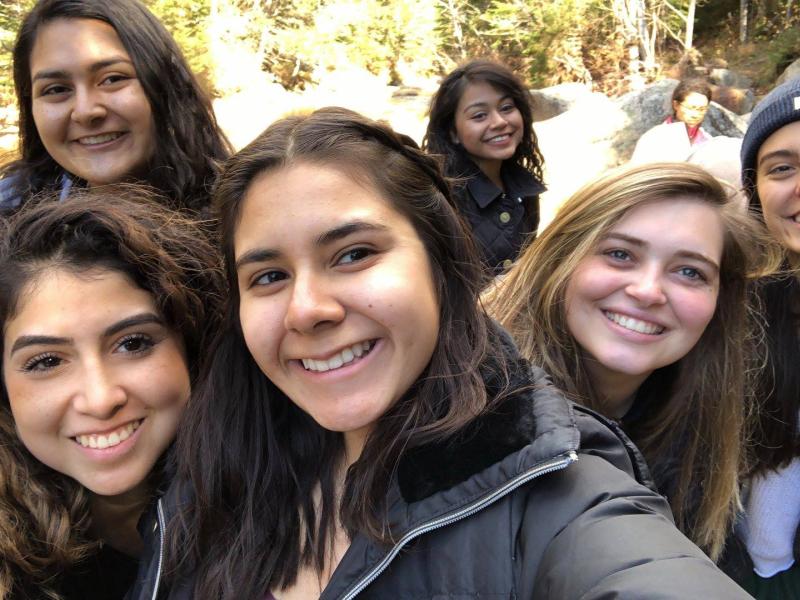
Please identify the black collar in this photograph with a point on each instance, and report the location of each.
(519, 184)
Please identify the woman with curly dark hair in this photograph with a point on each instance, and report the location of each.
(105, 96)
(481, 125)
(105, 302)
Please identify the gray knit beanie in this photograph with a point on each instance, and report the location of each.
(778, 108)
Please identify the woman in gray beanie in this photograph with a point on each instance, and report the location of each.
(771, 179)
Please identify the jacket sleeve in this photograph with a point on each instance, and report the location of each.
(602, 535)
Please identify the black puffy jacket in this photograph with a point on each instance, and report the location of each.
(537, 499)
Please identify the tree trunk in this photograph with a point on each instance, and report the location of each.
(690, 24)
(743, 6)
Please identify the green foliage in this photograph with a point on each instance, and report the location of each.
(11, 14)
(783, 49)
(187, 21)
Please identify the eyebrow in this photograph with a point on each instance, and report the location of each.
(41, 340)
(683, 253)
(777, 154)
(94, 67)
(328, 237)
(482, 104)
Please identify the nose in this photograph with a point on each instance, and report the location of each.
(647, 287)
(101, 395)
(498, 120)
(312, 305)
(88, 107)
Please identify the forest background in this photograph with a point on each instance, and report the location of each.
(298, 46)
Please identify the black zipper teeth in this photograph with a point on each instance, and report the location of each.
(556, 464)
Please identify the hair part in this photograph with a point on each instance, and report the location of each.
(189, 142)
(44, 515)
(255, 465)
(702, 409)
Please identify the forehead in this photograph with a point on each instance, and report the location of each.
(695, 98)
(480, 91)
(59, 300)
(685, 221)
(785, 138)
(304, 199)
(69, 41)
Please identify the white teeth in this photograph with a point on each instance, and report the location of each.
(634, 324)
(98, 139)
(344, 357)
(108, 441)
(499, 138)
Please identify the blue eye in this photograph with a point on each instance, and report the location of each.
(618, 254)
(354, 255)
(691, 273)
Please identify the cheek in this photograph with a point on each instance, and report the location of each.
(695, 309)
(261, 327)
(47, 120)
(590, 282)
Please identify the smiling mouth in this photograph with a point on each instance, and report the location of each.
(634, 324)
(93, 140)
(498, 138)
(108, 440)
(345, 357)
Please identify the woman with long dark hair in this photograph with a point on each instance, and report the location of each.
(105, 96)
(481, 126)
(363, 429)
(105, 302)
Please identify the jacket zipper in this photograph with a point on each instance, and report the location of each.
(555, 464)
(161, 531)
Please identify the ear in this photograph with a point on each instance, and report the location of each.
(454, 137)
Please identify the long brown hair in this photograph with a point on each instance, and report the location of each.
(252, 458)
(44, 515)
(704, 412)
(189, 142)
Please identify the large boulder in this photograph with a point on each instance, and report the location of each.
(552, 101)
(792, 71)
(598, 133)
(738, 100)
(728, 78)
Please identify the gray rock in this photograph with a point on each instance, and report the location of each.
(792, 71)
(729, 78)
(555, 100)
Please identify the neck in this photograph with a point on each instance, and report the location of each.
(616, 390)
(114, 519)
(491, 168)
(354, 442)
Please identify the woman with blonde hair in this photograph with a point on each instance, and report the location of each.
(635, 300)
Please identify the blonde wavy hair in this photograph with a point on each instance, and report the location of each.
(706, 414)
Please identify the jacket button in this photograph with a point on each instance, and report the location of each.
(505, 217)
(507, 263)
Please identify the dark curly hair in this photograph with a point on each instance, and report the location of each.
(44, 515)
